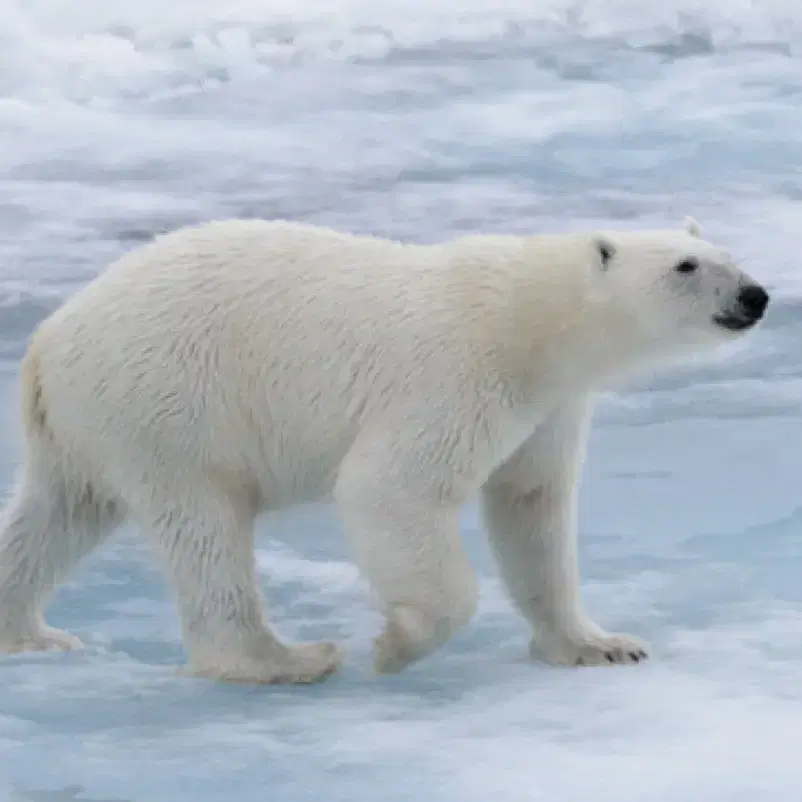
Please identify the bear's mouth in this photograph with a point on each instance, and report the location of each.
(749, 306)
(735, 322)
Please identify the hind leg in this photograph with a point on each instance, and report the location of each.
(47, 526)
(206, 542)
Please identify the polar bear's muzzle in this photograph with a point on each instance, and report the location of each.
(749, 307)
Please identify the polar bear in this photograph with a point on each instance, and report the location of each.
(241, 366)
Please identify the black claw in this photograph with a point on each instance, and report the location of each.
(609, 656)
(580, 661)
(642, 654)
(636, 656)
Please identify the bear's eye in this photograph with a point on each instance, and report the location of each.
(687, 266)
(606, 254)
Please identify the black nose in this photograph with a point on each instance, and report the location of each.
(753, 300)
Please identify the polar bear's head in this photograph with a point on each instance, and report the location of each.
(670, 290)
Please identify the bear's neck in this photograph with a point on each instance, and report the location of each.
(557, 333)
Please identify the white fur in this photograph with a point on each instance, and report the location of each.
(244, 366)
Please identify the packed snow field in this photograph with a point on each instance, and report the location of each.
(423, 120)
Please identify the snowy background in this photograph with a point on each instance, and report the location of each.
(424, 119)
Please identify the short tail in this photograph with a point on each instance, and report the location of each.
(48, 466)
(33, 409)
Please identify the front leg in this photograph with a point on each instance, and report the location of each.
(529, 509)
(399, 501)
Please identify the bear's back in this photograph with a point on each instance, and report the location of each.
(217, 337)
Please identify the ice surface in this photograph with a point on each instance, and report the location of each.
(423, 119)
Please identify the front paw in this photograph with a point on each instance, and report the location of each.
(407, 636)
(589, 647)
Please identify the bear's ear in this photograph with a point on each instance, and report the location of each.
(606, 251)
(692, 227)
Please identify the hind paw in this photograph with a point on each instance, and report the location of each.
(44, 639)
(302, 663)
